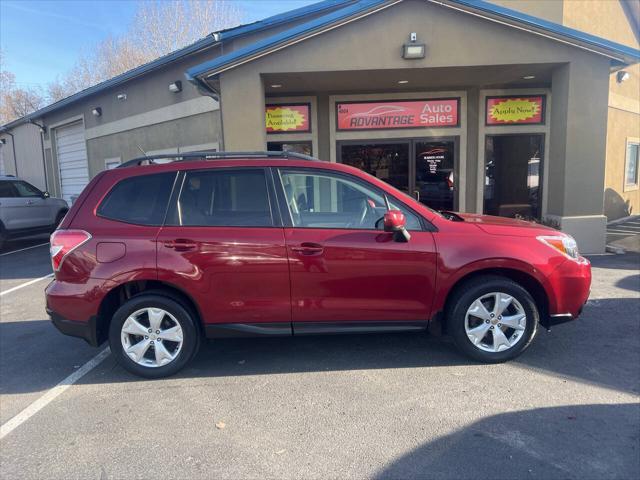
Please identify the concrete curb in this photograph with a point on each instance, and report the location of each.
(615, 249)
(623, 219)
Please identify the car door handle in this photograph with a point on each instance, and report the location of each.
(181, 245)
(308, 248)
(29, 202)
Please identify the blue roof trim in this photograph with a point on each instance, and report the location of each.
(206, 42)
(356, 8)
(195, 73)
(284, 18)
(552, 27)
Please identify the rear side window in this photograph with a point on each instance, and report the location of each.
(140, 200)
(7, 190)
(224, 198)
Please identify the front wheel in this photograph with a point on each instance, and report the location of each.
(492, 319)
(153, 336)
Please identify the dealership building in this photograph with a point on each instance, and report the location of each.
(527, 109)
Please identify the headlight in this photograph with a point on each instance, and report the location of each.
(565, 244)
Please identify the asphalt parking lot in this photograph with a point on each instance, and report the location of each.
(374, 406)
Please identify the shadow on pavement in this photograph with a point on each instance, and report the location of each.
(577, 441)
(601, 348)
(628, 261)
(631, 282)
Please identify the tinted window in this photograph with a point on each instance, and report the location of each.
(6, 190)
(233, 198)
(26, 190)
(325, 200)
(140, 200)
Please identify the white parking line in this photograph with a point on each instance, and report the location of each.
(26, 284)
(48, 397)
(23, 249)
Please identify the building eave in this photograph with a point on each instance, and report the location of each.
(202, 44)
(619, 55)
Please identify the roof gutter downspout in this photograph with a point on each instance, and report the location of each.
(44, 164)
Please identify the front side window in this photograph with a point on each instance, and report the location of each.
(224, 198)
(631, 165)
(326, 200)
(139, 200)
(26, 190)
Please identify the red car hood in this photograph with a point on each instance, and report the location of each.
(506, 226)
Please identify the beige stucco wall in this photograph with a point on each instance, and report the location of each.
(28, 151)
(551, 10)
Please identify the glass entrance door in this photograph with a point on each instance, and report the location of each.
(435, 173)
(513, 175)
(424, 168)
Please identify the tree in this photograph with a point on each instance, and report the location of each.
(16, 102)
(158, 28)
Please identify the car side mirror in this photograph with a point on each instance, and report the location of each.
(395, 222)
(45, 195)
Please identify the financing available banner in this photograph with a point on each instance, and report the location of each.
(288, 118)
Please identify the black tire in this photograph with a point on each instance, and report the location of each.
(191, 335)
(475, 288)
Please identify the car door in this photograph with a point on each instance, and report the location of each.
(224, 245)
(344, 267)
(36, 212)
(11, 206)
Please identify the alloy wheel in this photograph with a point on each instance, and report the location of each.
(495, 322)
(151, 337)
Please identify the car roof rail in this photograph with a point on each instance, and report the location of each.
(213, 155)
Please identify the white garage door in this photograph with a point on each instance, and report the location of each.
(72, 160)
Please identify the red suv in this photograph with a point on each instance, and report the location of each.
(155, 256)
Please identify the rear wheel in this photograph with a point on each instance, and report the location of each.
(492, 319)
(153, 336)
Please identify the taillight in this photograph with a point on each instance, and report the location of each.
(63, 242)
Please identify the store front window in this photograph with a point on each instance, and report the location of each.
(387, 161)
(296, 147)
(513, 175)
(424, 168)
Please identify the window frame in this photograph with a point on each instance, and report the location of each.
(113, 187)
(287, 218)
(172, 209)
(629, 187)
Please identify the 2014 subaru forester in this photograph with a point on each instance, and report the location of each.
(155, 256)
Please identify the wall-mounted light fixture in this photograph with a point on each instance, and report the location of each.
(175, 87)
(42, 128)
(97, 112)
(3, 141)
(276, 85)
(413, 50)
(122, 97)
(622, 76)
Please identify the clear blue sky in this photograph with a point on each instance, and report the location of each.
(41, 39)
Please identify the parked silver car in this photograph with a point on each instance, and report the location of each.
(26, 211)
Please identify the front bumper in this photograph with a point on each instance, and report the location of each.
(85, 330)
(570, 284)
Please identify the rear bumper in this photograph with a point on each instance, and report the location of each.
(85, 330)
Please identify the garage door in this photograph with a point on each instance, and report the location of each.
(72, 160)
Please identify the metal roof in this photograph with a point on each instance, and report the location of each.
(617, 52)
(207, 42)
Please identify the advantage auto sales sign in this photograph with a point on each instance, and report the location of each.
(398, 114)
